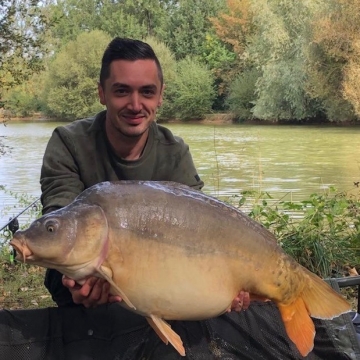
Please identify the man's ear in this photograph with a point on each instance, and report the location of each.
(101, 94)
(161, 96)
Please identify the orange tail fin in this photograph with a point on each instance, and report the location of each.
(321, 300)
(318, 300)
(299, 326)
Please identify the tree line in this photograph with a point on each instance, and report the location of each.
(269, 60)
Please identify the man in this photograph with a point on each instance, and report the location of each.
(122, 143)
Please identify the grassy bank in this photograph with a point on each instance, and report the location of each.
(21, 286)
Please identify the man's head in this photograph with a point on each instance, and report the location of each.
(130, 50)
(131, 87)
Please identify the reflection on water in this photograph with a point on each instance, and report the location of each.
(286, 161)
(289, 162)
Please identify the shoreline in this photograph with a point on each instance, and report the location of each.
(211, 119)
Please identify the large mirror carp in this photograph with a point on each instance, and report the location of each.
(173, 253)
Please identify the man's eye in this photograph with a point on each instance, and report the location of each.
(148, 93)
(121, 91)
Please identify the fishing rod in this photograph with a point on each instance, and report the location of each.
(14, 219)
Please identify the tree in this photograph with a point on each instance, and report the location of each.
(191, 93)
(242, 94)
(188, 83)
(188, 26)
(22, 27)
(336, 49)
(71, 87)
(233, 27)
(168, 65)
(221, 61)
(279, 49)
(152, 15)
(25, 99)
(126, 18)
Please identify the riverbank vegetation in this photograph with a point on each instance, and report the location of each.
(322, 233)
(266, 60)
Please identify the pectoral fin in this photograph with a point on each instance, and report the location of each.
(106, 273)
(166, 334)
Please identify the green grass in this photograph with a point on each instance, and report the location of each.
(22, 286)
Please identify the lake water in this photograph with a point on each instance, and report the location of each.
(289, 162)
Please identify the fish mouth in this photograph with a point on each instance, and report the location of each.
(22, 250)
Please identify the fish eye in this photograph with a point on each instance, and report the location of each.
(51, 226)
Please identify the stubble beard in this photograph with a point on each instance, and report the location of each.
(133, 135)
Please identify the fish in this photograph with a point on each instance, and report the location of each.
(165, 247)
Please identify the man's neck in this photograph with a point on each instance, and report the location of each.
(125, 147)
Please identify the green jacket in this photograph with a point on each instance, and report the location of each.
(78, 156)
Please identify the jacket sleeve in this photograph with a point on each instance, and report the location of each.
(59, 293)
(60, 184)
(60, 180)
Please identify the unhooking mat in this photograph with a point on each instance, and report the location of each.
(111, 332)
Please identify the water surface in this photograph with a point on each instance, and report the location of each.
(289, 162)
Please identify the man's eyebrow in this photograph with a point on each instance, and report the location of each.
(116, 85)
(122, 85)
(149, 87)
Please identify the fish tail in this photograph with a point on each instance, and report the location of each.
(298, 325)
(321, 300)
(318, 300)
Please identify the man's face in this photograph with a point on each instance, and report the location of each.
(131, 94)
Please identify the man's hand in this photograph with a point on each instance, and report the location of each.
(93, 292)
(241, 302)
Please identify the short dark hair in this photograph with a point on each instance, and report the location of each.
(127, 49)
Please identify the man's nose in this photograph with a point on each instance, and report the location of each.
(135, 102)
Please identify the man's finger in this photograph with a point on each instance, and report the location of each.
(104, 294)
(241, 302)
(246, 301)
(96, 288)
(114, 298)
(67, 282)
(86, 288)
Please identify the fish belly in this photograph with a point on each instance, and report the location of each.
(173, 286)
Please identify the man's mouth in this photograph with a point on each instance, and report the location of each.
(134, 119)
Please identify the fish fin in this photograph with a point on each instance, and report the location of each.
(321, 300)
(106, 273)
(298, 324)
(158, 332)
(166, 334)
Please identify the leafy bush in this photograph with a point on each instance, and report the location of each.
(168, 65)
(242, 95)
(191, 94)
(71, 88)
(24, 99)
(20, 103)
